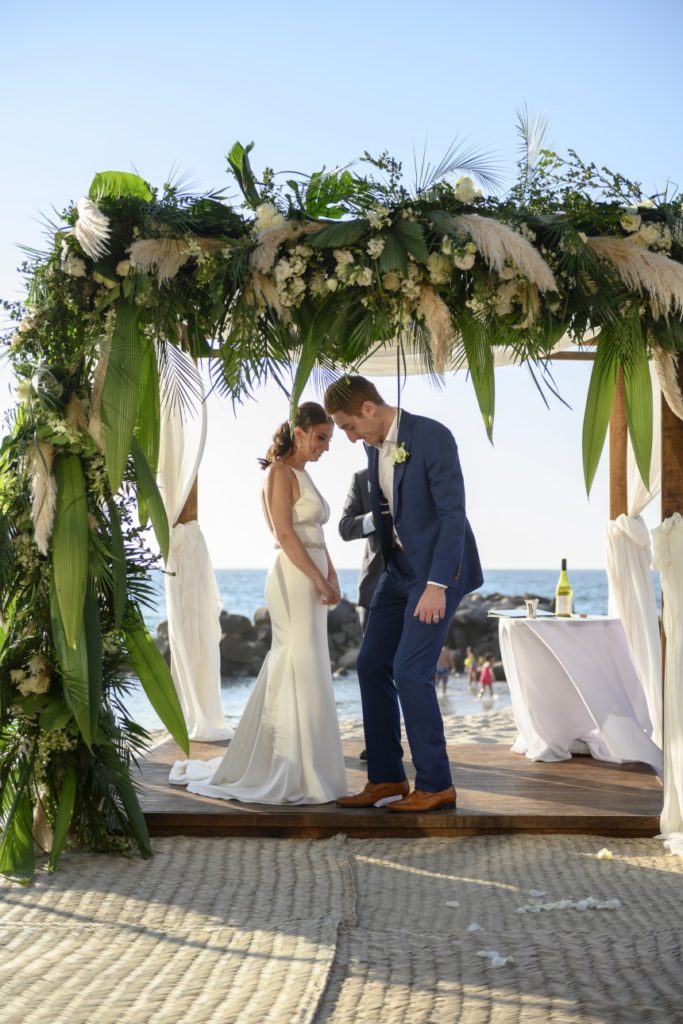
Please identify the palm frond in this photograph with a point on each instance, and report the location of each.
(482, 164)
(532, 130)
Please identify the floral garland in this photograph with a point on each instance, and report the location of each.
(319, 271)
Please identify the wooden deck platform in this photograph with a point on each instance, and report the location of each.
(498, 792)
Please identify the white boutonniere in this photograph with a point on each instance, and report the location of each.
(400, 454)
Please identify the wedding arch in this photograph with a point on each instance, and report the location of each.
(318, 273)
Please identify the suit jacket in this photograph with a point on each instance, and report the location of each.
(429, 506)
(356, 506)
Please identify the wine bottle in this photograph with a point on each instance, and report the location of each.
(563, 593)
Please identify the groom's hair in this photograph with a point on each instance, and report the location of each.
(349, 393)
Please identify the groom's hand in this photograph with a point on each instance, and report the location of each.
(431, 607)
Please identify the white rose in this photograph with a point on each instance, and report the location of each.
(283, 270)
(649, 234)
(465, 262)
(332, 284)
(106, 281)
(74, 266)
(466, 191)
(646, 204)
(391, 281)
(123, 268)
(267, 216)
(343, 257)
(439, 268)
(630, 221)
(365, 277)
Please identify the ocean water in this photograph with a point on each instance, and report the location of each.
(242, 593)
(242, 589)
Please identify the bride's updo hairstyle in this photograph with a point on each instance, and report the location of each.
(308, 415)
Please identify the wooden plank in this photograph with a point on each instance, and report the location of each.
(498, 792)
(672, 456)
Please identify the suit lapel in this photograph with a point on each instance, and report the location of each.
(405, 432)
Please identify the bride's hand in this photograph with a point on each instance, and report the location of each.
(329, 593)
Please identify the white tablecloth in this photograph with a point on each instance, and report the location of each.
(572, 681)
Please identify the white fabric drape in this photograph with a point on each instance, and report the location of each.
(668, 559)
(193, 603)
(631, 591)
(632, 599)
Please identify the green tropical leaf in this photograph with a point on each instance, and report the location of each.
(148, 426)
(413, 237)
(70, 543)
(239, 162)
(153, 673)
(394, 255)
(118, 564)
(445, 223)
(307, 357)
(73, 664)
(346, 232)
(117, 185)
(599, 405)
(123, 785)
(147, 486)
(639, 413)
(121, 390)
(65, 810)
(93, 639)
(479, 353)
(17, 856)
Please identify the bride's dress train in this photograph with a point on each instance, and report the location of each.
(286, 748)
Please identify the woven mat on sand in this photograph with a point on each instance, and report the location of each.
(253, 930)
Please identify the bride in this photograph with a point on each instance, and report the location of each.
(287, 748)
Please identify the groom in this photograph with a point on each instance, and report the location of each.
(417, 498)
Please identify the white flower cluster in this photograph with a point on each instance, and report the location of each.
(646, 235)
(462, 253)
(267, 216)
(71, 263)
(375, 247)
(35, 678)
(466, 191)
(289, 275)
(25, 553)
(379, 217)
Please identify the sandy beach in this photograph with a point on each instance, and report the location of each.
(478, 929)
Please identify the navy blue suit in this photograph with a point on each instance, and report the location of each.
(398, 655)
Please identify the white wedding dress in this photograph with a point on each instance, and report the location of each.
(286, 748)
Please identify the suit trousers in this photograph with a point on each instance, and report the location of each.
(396, 666)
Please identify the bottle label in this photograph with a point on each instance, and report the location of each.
(563, 604)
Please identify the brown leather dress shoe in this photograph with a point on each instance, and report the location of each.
(376, 794)
(420, 801)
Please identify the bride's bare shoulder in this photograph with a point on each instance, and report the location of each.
(281, 479)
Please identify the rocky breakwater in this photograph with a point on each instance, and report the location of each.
(244, 644)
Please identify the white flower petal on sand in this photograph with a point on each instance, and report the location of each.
(604, 854)
(496, 959)
(536, 892)
(452, 903)
(474, 927)
(92, 229)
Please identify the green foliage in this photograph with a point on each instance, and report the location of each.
(152, 670)
(121, 391)
(70, 544)
(598, 407)
(119, 185)
(147, 488)
(238, 159)
(65, 811)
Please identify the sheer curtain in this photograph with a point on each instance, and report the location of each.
(193, 602)
(631, 590)
(668, 547)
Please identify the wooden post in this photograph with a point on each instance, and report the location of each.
(618, 437)
(672, 456)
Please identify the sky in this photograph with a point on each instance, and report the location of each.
(163, 88)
